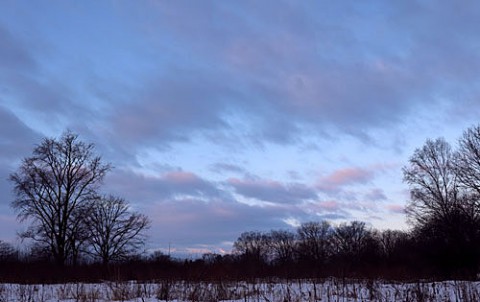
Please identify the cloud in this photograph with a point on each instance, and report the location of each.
(332, 216)
(317, 68)
(16, 138)
(14, 56)
(192, 221)
(29, 87)
(278, 74)
(396, 208)
(222, 168)
(9, 227)
(330, 67)
(329, 209)
(376, 195)
(16, 141)
(172, 107)
(329, 205)
(338, 179)
(142, 188)
(272, 191)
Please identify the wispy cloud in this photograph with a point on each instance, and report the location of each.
(147, 188)
(227, 168)
(341, 178)
(396, 208)
(375, 195)
(272, 191)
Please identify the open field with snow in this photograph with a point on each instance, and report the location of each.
(262, 291)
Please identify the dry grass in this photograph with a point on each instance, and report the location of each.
(331, 290)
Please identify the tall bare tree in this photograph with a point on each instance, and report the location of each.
(54, 188)
(433, 181)
(114, 231)
(443, 203)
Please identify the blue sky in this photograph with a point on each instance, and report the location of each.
(229, 116)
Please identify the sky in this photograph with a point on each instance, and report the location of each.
(222, 117)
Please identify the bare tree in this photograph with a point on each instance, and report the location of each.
(114, 231)
(433, 181)
(53, 187)
(253, 246)
(315, 240)
(282, 245)
(468, 159)
(350, 239)
(443, 203)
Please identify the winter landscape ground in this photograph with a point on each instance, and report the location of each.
(333, 289)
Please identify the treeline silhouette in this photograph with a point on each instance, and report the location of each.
(56, 190)
(314, 250)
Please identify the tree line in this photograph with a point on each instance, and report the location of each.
(316, 249)
(57, 193)
(321, 249)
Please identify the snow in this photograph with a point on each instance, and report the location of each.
(334, 290)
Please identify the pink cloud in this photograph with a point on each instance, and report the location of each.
(396, 208)
(326, 210)
(180, 177)
(345, 177)
(255, 183)
(330, 205)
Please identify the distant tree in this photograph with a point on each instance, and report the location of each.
(115, 232)
(391, 241)
(159, 256)
(282, 245)
(54, 188)
(7, 252)
(315, 241)
(38, 252)
(351, 238)
(211, 258)
(252, 246)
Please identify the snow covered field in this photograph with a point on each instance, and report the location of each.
(261, 291)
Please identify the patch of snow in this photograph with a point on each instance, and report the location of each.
(228, 291)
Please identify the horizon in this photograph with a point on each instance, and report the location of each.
(224, 117)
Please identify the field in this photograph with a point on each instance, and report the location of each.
(332, 290)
